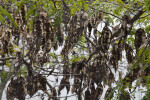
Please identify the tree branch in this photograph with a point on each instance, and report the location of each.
(136, 17)
(8, 58)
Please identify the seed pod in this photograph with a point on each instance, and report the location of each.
(23, 13)
(124, 95)
(66, 13)
(55, 46)
(16, 89)
(126, 25)
(99, 17)
(37, 30)
(98, 92)
(60, 35)
(54, 94)
(87, 95)
(106, 38)
(139, 38)
(108, 92)
(129, 53)
(89, 28)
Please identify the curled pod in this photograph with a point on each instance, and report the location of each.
(139, 38)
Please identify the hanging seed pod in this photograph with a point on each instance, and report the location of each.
(62, 85)
(89, 28)
(92, 87)
(124, 95)
(119, 50)
(76, 30)
(99, 17)
(106, 38)
(54, 94)
(16, 89)
(60, 35)
(98, 92)
(47, 29)
(115, 56)
(126, 25)
(66, 13)
(23, 13)
(55, 46)
(48, 46)
(108, 92)
(111, 78)
(129, 53)
(139, 38)
(87, 95)
(37, 30)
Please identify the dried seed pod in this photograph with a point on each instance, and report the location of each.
(106, 38)
(119, 50)
(66, 13)
(87, 95)
(129, 53)
(64, 83)
(54, 94)
(60, 36)
(89, 28)
(23, 13)
(124, 95)
(108, 92)
(16, 89)
(99, 17)
(75, 31)
(92, 21)
(92, 87)
(62, 86)
(98, 92)
(55, 46)
(37, 30)
(126, 25)
(139, 38)
(114, 57)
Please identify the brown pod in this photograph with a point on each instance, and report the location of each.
(139, 38)
(60, 35)
(23, 13)
(106, 38)
(108, 92)
(129, 53)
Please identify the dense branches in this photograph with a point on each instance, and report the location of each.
(78, 41)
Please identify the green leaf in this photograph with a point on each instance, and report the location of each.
(5, 12)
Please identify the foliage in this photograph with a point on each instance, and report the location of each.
(79, 37)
